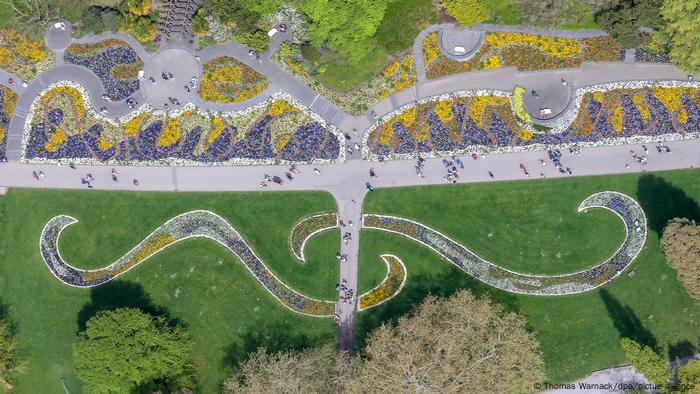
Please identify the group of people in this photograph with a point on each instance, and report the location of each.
(451, 167)
(348, 296)
(293, 170)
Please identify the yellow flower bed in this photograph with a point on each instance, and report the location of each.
(217, 127)
(55, 140)
(5, 55)
(670, 97)
(386, 133)
(391, 69)
(104, 143)
(281, 106)
(683, 116)
(388, 288)
(249, 93)
(641, 105)
(283, 140)
(492, 62)
(73, 94)
(616, 119)
(479, 105)
(431, 51)
(407, 117)
(171, 133)
(423, 133)
(525, 134)
(555, 46)
(151, 246)
(443, 109)
(133, 126)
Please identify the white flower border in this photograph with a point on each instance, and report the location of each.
(146, 108)
(122, 260)
(562, 123)
(385, 258)
(300, 256)
(569, 288)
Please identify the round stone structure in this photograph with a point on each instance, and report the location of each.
(460, 44)
(548, 100)
(159, 91)
(58, 36)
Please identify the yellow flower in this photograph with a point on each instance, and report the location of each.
(283, 140)
(670, 97)
(616, 119)
(598, 96)
(5, 55)
(133, 126)
(279, 107)
(104, 143)
(406, 118)
(217, 127)
(386, 133)
(479, 105)
(171, 134)
(431, 51)
(641, 105)
(443, 109)
(683, 116)
(492, 62)
(391, 69)
(423, 133)
(555, 46)
(55, 140)
(525, 134)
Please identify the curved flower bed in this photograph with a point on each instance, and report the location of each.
(484, 120)
(625, 207)
(63, 126)
(8, 100)
(194, 224)
(391, 285)
(398, 75)
(23, 57)
(113, 61)
(226, 80)
(307, 228)
(528, 52)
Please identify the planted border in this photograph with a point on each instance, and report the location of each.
(227, 80)
(194, 224)
(307, 228)
(620, 204)
(390, 287)
(8, 101)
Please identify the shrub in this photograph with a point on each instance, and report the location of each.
(681, 244)
(467, 12)
(257, 40)
(646, 362)
(519, 104)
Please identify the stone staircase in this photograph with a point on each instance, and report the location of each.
(176, 17)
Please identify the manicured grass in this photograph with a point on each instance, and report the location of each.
(341, 75)
(505, 12)
(402, 22)
(580, 333)
(196, 282)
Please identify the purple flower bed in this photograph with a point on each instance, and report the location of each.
(103, 63)
(4, 124)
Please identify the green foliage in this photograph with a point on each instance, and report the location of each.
(347, 28)
(519, 104)
(689, 375)
(257, 40)
(646, 362)
(625, 18)
(91, 22)
(235, 14)
(200, 26)
(467, 12)
(402, 22)
(142, 28)
(125, 348)
(681, 244)
(9, 363)
(558, 13)
(682, 19)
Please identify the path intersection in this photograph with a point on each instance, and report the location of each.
(347, 177)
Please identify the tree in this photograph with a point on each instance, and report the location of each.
(681, 244)
(458, 344)
(646, 362)
(123, 349)
(141, 28)
(32, 16)
(554, 13)
(466, 12)
(9, 362)
(345, 27)
(234, 14)
(682, 19)
(200, 26)
(689, 376)
(307, 371)
(626, 21)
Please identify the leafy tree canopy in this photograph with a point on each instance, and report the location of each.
(646, 362)
(467, 12)
(681, 244)
(682, 25)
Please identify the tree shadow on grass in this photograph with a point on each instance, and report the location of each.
(662, 202)
(681, 350)
(275, 337)
(626, 321)
(418, 287)
(120, 294)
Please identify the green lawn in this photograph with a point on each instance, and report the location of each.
(402, 22)
(196, 282)
(527, 221)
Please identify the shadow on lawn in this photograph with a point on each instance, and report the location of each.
(681, 350)
(120, 294)
(274, 337)
(626, 321)
(447, 283)
(662, 202)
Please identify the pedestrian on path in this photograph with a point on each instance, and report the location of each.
(369, 187)
(41, 174)
(136, 182)
(491, 175)
(317, 171)
(35, 175)
(372, 173)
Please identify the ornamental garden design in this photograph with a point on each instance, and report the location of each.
(495, 121)
(63, 125)
(23, 57)
(227, 80)
(8, 100)
(113, 61)
(527, 52)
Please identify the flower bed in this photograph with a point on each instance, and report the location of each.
(397, 76)
(307, 228)
(226, 80)
(113, 61)
(8, 100)
(527, 52)
(62, 125)
(195, 224)
(23, 57)
(625, 207)
(477, 121)
(647, 55)
(390, 286)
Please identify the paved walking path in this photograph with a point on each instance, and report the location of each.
(345, 181)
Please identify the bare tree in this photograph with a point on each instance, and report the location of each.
(681, 244)
(456, 345)
(32, 16)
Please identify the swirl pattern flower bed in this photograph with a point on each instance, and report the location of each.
(528, 52)
(8, 100)
(307, 228)
(23, 57)
(62, 125)
(391, 285)
(471, 121)
(226, 80)
(625, 207)
(195, 224)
